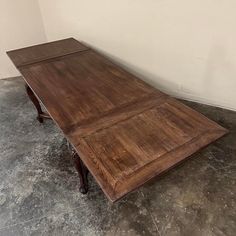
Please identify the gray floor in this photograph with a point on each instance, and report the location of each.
(39, 186)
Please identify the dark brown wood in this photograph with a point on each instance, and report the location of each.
(125, 131)
(83, 173)
(33, 98)
(38, 53)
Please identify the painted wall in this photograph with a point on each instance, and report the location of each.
(20, 25)
(184, 47)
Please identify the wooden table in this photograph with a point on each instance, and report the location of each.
(124, 131)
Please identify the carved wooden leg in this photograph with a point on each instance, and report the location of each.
(83, 173)
(36, 103)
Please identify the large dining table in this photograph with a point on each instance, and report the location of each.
(123, 131)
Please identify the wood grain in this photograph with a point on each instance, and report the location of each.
(125, 131)
(41, 52)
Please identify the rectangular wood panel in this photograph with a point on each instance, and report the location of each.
(125, 131)
(37, 53)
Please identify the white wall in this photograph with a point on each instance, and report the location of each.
(184, 47)
(20, 25)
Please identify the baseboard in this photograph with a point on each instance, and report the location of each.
(14, 77)
(192, 98)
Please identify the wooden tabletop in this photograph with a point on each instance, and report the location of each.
(125, 131)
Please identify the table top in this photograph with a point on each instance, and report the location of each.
(125, 131)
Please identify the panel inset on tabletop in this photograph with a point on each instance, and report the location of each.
(124, 150)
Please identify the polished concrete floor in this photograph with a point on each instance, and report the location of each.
(39, 185)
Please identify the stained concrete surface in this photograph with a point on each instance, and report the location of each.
(39, 185)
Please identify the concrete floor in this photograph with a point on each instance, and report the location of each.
(39, 186)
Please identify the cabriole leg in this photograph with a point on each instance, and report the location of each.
(83, 173)
(35, 101)
(33, 98)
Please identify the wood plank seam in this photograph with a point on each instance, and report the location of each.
(78, 128)
(52, 58)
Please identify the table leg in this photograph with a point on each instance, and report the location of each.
(36, 103)
(83, 173)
